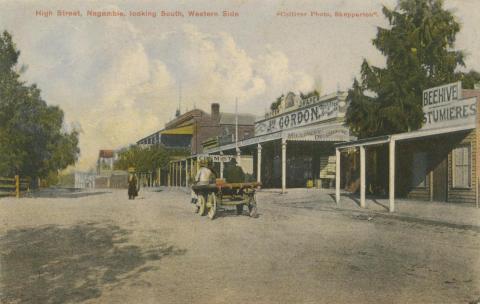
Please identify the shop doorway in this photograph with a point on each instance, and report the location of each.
(440, 181)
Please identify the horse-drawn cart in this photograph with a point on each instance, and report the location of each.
(212, 197)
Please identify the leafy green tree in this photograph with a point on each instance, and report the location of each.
(33, 141)
(419, 50)
(146, 159)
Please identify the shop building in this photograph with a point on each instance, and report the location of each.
(189, 131)
(439, 162)
(173, 141)
(292, 146)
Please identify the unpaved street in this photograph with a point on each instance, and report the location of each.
(105, 248)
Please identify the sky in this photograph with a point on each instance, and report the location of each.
(119, 79)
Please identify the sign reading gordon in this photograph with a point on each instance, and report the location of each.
(306, 116)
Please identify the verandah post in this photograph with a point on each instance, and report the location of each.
(259, 163)
(284, 165)
(362, 176)
(337, 175)
(391, 179)
(17, 186)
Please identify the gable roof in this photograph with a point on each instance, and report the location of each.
(106, 153)
(185, 118)
(243, 119)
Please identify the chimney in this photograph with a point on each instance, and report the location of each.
(215, 111)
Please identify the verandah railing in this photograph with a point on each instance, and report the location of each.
(14, 186)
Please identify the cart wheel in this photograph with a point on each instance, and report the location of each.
(202, 208)
(239, 209)
(212, 204)
(252, 206)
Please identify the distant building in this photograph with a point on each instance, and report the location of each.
(194, 131)
(105, 161)
(167, 140)
(196, 127)
(226, 129)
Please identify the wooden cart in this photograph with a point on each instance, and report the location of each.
(212, 197)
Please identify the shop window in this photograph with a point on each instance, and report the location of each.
(419, 170)
(461, 166)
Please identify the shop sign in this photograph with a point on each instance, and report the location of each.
(336, 133)
(438, 96)
(303, 117)
(221, 158)
(260, 139)
(443, 106)
(217, 158)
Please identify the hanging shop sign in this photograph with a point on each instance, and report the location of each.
(221, 158)
(306, 116)
(216, 158)
(443, 106)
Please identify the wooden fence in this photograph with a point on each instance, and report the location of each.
(14, 186)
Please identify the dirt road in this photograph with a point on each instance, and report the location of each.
(107, 249)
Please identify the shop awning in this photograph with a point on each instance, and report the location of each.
(185, 130)
(404, 136)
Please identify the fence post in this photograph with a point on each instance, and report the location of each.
(17, 186)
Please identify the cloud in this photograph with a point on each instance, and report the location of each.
(118, 78)
(118, 84)
(101, 75)
(274, 67)
(213, 67)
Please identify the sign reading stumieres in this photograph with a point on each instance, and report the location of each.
(302, 117)
(443, 107)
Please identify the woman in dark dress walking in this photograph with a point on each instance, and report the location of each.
(132, 184)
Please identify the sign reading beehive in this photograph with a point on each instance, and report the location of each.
(443, 106)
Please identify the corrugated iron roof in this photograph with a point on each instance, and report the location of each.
(243, 119)
(185, 130)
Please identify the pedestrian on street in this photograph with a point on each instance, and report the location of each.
(132, 184)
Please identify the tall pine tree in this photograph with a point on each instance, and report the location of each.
(419, 51)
